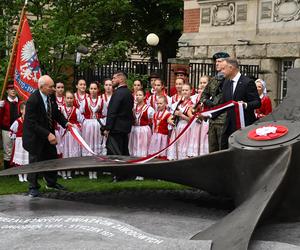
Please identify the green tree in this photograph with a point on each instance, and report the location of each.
(108, 28)
(163, 17)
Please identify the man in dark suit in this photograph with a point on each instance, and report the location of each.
(38, 132)
(241, 89)
(119, 116)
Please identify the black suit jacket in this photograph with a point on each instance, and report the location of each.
(245, 91)
(36, 126)
(119, 114)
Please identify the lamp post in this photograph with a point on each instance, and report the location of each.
(79, 51)
(152, 40)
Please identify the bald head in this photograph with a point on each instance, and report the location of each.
(46, 85)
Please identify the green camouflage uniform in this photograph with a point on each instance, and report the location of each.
(211, 97)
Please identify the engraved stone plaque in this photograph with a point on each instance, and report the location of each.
(205, 15)
(241, 12)
(266, 10)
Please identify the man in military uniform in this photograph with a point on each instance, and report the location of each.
(212, 96)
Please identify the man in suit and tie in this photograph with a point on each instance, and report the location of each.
(240, 89)
(38, 132)
(119, 116)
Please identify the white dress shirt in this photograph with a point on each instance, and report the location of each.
(235, 81)
(44, 97)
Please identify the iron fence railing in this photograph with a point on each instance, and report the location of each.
(196, 70)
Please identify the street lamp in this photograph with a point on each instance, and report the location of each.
(79, 51)
(153, 40)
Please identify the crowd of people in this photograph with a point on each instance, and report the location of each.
(115, 120)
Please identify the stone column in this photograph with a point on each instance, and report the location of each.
(269, 69)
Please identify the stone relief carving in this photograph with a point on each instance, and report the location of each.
(223, 14)
(286, 10)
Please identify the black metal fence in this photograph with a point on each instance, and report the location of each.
(99, 73)
(196, 70)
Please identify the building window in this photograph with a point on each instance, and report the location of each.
(285, 65)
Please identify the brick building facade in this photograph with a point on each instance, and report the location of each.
(261, 32)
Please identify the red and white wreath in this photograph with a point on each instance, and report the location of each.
(269, 132)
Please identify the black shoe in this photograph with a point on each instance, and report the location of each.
(6, 164)
(56, 186)
(33, 193)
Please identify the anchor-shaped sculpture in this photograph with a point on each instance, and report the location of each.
(260, 176)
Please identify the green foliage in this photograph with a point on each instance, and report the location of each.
(108, 28)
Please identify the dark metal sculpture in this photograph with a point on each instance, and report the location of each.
(260, 176)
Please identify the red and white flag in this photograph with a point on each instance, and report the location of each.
(27, 66)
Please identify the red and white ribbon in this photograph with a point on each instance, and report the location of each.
(239, 120)
(74, 132)
(76, 135)
(239, 117)
(150, 157)
(238, 109)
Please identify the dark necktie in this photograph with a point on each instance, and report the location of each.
(231, 88)
(49, 114)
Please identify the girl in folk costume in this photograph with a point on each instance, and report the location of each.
(137, 85)
(108, 91)
(266, 104)
(20, 156)
(71, 148)
(199, 143)
(183, 111)
(141, 132)
(92, 108)
(8, 114)
(159, 138)
(159, 92)
(178, 85)
(153, 76)
(80, 94)
(59, 93)
(60, 100)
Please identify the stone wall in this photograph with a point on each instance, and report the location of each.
(256, 32)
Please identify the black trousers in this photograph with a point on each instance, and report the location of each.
(117, 144)
(48, 153)
(224, 141)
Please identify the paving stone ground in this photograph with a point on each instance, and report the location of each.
(145, 219)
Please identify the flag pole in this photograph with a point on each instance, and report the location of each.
(13, 51)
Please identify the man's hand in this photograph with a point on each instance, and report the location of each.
(1, 103)
(52, 139)
(244, 104)
(105, 133)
